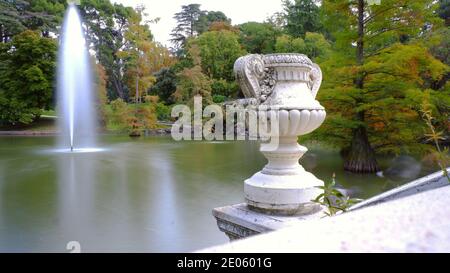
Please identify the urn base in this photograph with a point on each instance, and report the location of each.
(283, 195)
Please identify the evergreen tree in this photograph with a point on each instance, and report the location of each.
(187, 25)
(191, 22)
(258, 38)
(165, 85)
(106, 25)
(301, 16)
(46, 16)
(18, 15)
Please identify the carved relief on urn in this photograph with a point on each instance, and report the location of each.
(286, 84)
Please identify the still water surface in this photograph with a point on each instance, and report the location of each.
(147, 195)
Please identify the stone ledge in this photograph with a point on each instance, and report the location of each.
(238, 221)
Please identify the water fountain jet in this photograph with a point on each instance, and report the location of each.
(77, 115)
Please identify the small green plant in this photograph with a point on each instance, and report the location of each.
(219, 98)
(118, 115)
(163, 111)
(333, 199)
(441, 155)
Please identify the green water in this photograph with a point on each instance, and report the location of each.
(146, 195)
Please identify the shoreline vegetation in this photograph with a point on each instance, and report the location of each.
(47, 126)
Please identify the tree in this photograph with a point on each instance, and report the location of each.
(187, 25)
(137, 47)
(218, 51)
(191, 22)
(143, 56)
(258, 38)
(438, 43)
(27, 65)
(375, 77)
(11, 22)
(289, 44)
(444, 11)
(277, 20)
(101, 99)
(119, 115)
(317, 47)
(221, 25)
(225, 89)
(165, 85)
(192, 81)
(314, 45)
(18, 15)
(301, 16)
(46, 15)
(207, 18)
(106, 25)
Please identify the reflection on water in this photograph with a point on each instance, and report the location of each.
(149, 195)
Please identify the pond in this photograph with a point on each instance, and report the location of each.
(145, 195)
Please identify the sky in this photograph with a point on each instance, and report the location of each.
(240, 11)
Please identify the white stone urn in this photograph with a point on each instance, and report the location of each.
(286, 84)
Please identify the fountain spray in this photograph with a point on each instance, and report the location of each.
(76, 109)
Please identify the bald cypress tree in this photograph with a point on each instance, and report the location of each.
(377, 76)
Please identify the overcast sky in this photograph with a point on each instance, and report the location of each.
(240, 11)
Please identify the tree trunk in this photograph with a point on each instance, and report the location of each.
(137, 91)
(118, 88)
(361, 157)
(360, 42)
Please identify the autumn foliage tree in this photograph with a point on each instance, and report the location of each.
(376, 77)
(102, 98)
(143, 55)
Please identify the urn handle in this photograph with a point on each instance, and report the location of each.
(315, 76)
(253, 77)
